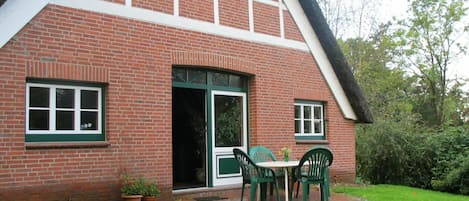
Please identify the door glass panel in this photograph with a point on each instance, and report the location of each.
(236, 81)
(228, 120)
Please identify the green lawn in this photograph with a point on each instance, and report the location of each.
(396, 193)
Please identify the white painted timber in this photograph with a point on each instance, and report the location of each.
(179, 22)
(321, 58)
(15, 14)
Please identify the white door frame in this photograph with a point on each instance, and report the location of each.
(226, 152)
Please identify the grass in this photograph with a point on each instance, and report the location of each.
(396, 193)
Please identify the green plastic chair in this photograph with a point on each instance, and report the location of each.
(254, 175)
(263, 154)
(313, 169)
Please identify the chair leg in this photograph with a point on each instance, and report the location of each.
(252, 195)
(263, 191)
(276, 190)
(242, 191)
(297, 189)
(321, 189)
(305, 192)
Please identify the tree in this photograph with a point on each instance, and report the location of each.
(430, 40)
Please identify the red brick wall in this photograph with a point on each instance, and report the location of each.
(234, 13)
(165, 6)
(197, 9)
(266, 19)
(291, 29)
(135, 58)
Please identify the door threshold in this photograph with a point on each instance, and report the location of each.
(205, 189)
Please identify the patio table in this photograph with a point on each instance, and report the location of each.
(285, 165)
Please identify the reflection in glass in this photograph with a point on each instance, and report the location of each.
(317, 112)
(297, 111)
(307, 112)
(89, 121)
(228, 121)
(307, 127)
(89, 99)
(38, 97)
(65, 98)
(297, 126)
(220, 79)
(38, 119)
(236, 81)
(179, 74)
(64, 120)
(317, 127)
(197, 76)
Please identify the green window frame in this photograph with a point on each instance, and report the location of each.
(309, 121)
(60, 111)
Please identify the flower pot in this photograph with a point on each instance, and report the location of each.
(149, 198)
(132, 197)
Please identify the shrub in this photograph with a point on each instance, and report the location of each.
(132, 186)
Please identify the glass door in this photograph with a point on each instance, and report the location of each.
(229, 130)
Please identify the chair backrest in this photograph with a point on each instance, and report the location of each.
(249, 169)
(314, 162)
(261, 154)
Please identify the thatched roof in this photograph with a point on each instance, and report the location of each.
(338, 61)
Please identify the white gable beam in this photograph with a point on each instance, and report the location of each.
(319, 54)
(15, 14)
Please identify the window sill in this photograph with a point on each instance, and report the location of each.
(64, 145)
(312, 142)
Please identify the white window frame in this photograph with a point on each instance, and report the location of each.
(313, 106)
(52, 109)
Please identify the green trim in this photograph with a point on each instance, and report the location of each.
(209, 87)
(228, 166)
(309, 137)
(63, 137)
(71, 137)
(323, 104)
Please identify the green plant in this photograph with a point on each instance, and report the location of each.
(151, 189)
(132, 186)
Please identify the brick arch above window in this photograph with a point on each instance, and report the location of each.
(221, 62)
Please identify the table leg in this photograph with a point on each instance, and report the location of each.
(286, 184)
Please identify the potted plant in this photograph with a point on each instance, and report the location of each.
(150, 191)
(132, 188)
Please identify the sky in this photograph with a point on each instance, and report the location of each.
(398, 8)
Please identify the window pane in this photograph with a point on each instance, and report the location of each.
(220, 79)
(38, 97)
(89, 99)
(317, 113)
(307, 112)
(64, 120)
(236, 81)
(317, 127)
(228, 121)
(297, 111)
(196, 76)
(297, 126)
(65, 98)
(307, 127)
(38, 119)
(89, 121)
(179, 74)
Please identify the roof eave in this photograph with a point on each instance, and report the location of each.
(338, 61)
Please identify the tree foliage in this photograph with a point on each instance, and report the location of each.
(429, 41)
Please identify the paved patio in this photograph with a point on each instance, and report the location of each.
(233, 194)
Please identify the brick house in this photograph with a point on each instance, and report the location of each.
(93, 89)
